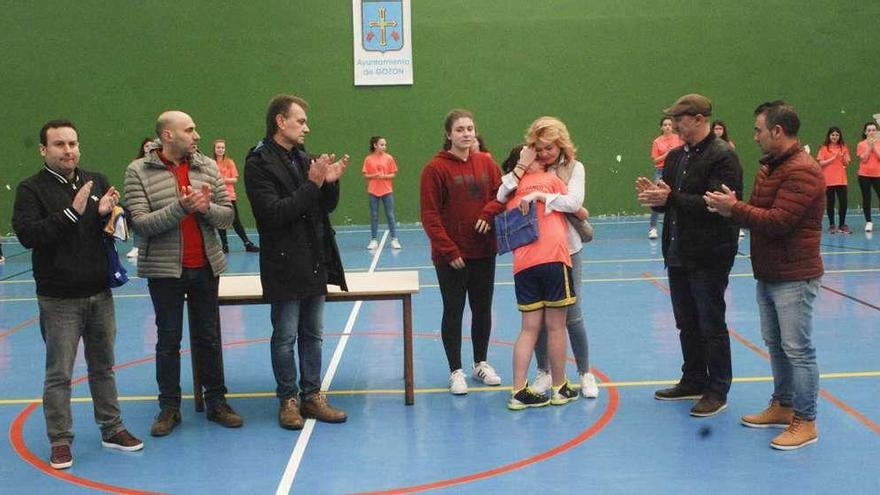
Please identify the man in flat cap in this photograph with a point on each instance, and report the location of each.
(699, 247)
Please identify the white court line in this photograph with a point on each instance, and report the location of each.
(302, 441)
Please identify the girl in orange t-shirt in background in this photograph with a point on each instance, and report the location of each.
(869, 169)
(230, 177)
(833, 157)
(379, 170)
(666, 141)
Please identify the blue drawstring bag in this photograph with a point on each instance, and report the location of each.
(117, 275)
(513, 229)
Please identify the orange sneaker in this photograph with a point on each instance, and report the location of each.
(800, 433)
(775, 416)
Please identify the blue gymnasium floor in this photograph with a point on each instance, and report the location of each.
(622, 442)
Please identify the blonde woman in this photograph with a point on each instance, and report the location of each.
(551, 144)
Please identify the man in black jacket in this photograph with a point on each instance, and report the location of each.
(699, 247)
(60, 213)
(292, 196)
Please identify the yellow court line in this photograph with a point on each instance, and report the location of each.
(393, 391)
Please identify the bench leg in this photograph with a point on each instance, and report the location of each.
(409, 385)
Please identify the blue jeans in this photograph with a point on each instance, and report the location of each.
(63, 322)
(574, 322)
(301, 319)
(198, 287)
(787, 326)
(698, 305)
(388, 201)
(658, 174)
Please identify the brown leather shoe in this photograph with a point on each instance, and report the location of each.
(288, 414)
(800, 433)
(223, 415)
(775, 416)
(61, 458)
(708, 405)
(166, 421)
(316, 406)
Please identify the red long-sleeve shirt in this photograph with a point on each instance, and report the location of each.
(453, 196)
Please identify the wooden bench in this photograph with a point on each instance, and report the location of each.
(375, 286)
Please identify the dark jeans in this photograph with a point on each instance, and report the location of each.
(198, 287)
(840, 193)
(297, 324)
(865, 184)
(699, 307)
(239, 229)
(476, 281)
(63, 322)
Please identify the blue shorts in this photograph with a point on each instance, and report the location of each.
(547, 285)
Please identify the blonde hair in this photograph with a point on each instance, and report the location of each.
(553, 130)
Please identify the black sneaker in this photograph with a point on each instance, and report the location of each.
(678, 392)
(225, 248)
(563, 395)
(223, 415)
(526, 397)
(709, 405)
(166, 421)
(249, 247)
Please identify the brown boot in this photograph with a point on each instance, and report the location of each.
(288, 414)
(316, 406)
(775, 416)
(799, 434)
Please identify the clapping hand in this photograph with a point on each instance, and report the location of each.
(81, 199)
(108, 201)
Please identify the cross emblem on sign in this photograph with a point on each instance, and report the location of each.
(382, 24)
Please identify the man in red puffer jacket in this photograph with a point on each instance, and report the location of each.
(784, 215)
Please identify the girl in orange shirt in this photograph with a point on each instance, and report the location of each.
(666, 141)
(379, 170)
(869, 169)
(833, 157)
(230, 177)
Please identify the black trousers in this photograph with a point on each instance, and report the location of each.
(476, 282)
(699, 309)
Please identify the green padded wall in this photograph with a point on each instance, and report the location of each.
(605, 67)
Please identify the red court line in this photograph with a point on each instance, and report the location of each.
(18, 327)
(861, 418)
(16, 438)
(610, 411)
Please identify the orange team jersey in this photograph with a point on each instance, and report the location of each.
(662, 145)
(379, 164)
(835, 172)
(552, 243)
(228, 171)
(871, 166)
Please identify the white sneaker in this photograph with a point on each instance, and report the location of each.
(457, 383)
(742, 232)
(589, 387)
(395, 244)
(652, 234)
(542, 382)
(869, 226)
(133, 253)
(484, 372)
(373, 244)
